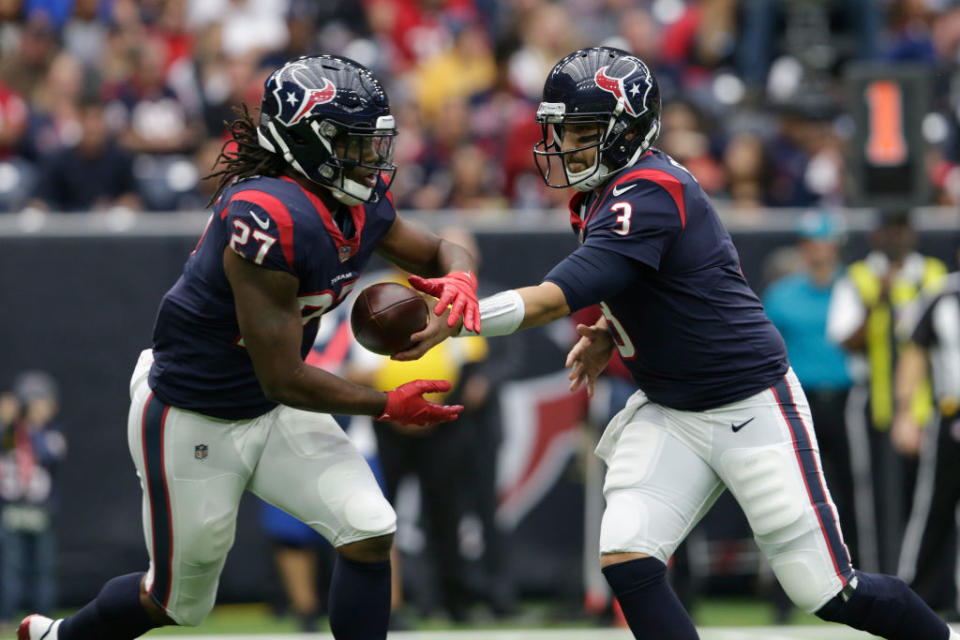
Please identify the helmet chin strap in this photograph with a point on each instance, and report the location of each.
(352, 193)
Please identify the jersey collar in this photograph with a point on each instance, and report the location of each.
(579, 222)
(346, 247)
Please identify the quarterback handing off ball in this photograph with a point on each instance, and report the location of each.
(384, 316)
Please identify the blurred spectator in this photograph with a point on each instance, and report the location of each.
(54, 118)
(474, 181)
(503, 125)
(797, 304)
(199, 190)
(465, 69)
(95, 174)
(865, 306)
(17, 176)
(227, 82)
(415, 30)
(31, 448)
(789, 156)
(701, 36)
(641, 34)
(243, 25)
(53, 12)
(469, 73)
(13, 121)
(684, 138)
(818, 33)
(747, 169)
(444, 135)
(910, 37)
(547, 33)
(24, 70)
(85, 33)
(154, 118)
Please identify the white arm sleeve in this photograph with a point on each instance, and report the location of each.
(846, 312)
(500, 314)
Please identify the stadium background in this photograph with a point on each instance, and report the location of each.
(768, 103)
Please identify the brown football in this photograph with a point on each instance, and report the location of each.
(385, 314)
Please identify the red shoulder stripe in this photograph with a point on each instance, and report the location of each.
(671, 183)
(277, 210)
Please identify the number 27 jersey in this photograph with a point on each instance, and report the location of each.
(200, 362)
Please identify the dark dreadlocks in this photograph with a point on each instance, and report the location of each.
(248, 159)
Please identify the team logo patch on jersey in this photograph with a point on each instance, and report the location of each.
(344, 253)
(632, 87)
(293, 97)
(200, 452)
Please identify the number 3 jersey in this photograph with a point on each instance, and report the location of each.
(656, 256)
(200, 362)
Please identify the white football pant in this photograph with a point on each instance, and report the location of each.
(667, 467)
(193, 470)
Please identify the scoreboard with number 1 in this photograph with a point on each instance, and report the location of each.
(886, 156)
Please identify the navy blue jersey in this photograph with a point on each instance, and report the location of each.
(200, 360)
(689, 328)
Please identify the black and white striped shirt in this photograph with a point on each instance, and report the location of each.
(938, 331)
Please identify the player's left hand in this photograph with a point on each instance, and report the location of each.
(589, 357)
(457, 290)
(437, 330)
(406, 404)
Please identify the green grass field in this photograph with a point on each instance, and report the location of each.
(716, 619)
(725, 633)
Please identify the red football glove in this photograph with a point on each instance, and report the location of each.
(406, 405)
(458, 290)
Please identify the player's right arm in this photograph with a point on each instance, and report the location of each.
(586, 277)
(270, 322)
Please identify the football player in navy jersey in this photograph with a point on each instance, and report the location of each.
(719, 406)
(224, 401)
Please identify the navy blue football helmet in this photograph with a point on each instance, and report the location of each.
(328, 116)
(600, 86)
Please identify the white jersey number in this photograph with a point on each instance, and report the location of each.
(242, 235)
(624, 218)
(315, 305)
(620, 337)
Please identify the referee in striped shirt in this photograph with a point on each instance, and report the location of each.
(928, 559)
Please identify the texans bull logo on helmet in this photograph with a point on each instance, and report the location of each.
(295, 101)
(632, 87)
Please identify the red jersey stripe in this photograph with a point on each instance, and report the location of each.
(672, 184)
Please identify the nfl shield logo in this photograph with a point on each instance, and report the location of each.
(200, 452)
(344, 253)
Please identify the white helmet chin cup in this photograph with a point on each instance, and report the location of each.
(352, 194)
(598, 177)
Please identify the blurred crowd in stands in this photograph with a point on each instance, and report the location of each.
(121, 103)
